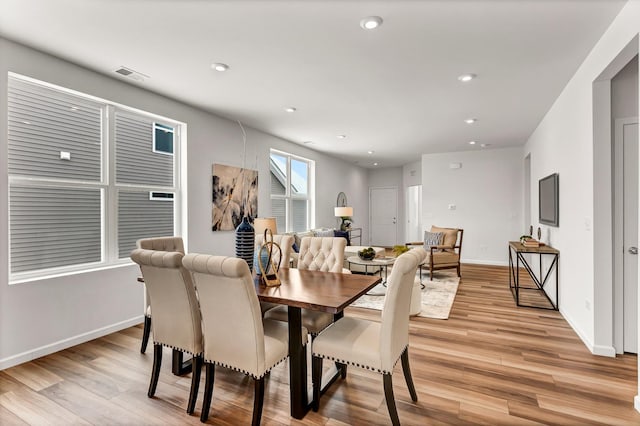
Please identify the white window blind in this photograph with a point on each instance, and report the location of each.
(67, 210)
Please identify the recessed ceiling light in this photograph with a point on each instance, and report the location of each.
(220, 67)
(290, 109)
(470, 120)
(466, 77)
(370, 152)
(472, 142)
(371, 22)
(341, 136)
(308, 142)
(484, 145)
(375, 164)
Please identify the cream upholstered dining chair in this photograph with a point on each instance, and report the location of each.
(316, 254)
(376, 346)
(286, 243)
(235, 335)
(176, 315)
(161, 244)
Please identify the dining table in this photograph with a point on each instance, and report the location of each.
(316, 290)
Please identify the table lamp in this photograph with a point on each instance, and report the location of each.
(343, 213)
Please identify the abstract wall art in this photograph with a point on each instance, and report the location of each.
(234, 195)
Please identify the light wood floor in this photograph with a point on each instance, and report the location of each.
(490, 363)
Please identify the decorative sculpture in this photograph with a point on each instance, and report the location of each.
(266, 261)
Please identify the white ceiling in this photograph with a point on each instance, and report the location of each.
(393, 90)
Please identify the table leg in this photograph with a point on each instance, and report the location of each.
(297, 365)
(178, 366)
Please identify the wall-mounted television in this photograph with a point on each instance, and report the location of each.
(548, 208)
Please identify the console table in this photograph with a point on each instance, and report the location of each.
(518, 250)
(355, 233)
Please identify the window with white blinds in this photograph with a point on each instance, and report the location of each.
(87, 178)
(290, 191)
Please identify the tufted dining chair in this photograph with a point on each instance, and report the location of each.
(235, 335)
(286, 243)
(316, 254)
(376, 346)
(176, 314)
(161, 244)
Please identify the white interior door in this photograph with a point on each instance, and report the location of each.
(383, 216)
(630, 237)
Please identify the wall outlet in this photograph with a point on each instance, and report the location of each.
(587, 305)
(451, 207)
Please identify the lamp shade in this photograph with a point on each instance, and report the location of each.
(343, 211)
(262, 223)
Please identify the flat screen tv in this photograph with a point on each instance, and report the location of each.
(548, 208)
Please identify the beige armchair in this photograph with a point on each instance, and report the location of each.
(316, 254)
(161, 244)
(375, 346)
(176, 315)
(442, 256)
(235, 335)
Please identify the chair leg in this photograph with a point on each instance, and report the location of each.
(407, 374)
(391, 402)
(145, 334)
(258, 399)
(342, 368)
(196, 368)
(208, 391)
(316, 378)
(155, 372)
(458, 268)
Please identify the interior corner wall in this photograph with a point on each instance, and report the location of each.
(482, 196)
(563, 142)
(44, 316)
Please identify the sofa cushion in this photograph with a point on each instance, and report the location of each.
(343, 234)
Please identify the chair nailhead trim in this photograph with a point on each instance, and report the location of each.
(231, 367)
(366, 367)
(177, 348)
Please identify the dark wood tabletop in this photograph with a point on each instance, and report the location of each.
(320, 291)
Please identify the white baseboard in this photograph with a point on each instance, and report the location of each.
(636, 403)
(485, 262)
(67, 343)
(601, 350)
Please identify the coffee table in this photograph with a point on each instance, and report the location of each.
(376, 262)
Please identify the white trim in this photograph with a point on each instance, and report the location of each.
(67, 343)
(636, 403)
(485, 262)
(601, 350)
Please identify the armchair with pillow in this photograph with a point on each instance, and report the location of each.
(444, 248)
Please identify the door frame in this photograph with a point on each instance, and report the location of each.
(395, 188)
(618, 233)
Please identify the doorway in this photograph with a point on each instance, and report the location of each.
(626, 178)
(383, 216)
(414, 213)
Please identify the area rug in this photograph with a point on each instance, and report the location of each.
(437, 296)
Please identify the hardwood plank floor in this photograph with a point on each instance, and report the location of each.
(489, 363)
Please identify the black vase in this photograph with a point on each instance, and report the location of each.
(245, 241)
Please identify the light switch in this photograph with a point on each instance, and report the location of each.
(64, 155)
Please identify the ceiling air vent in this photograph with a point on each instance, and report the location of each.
(129, 73)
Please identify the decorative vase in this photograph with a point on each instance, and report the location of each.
(245, 241)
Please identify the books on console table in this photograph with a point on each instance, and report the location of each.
(532, 243)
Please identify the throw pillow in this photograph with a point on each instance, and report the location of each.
(343, 234)
(296, 247)
(432, 239)
(323, 233)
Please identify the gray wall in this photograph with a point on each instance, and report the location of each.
(46, 315)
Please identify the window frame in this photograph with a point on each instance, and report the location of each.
(288, 197)
(108, 186)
